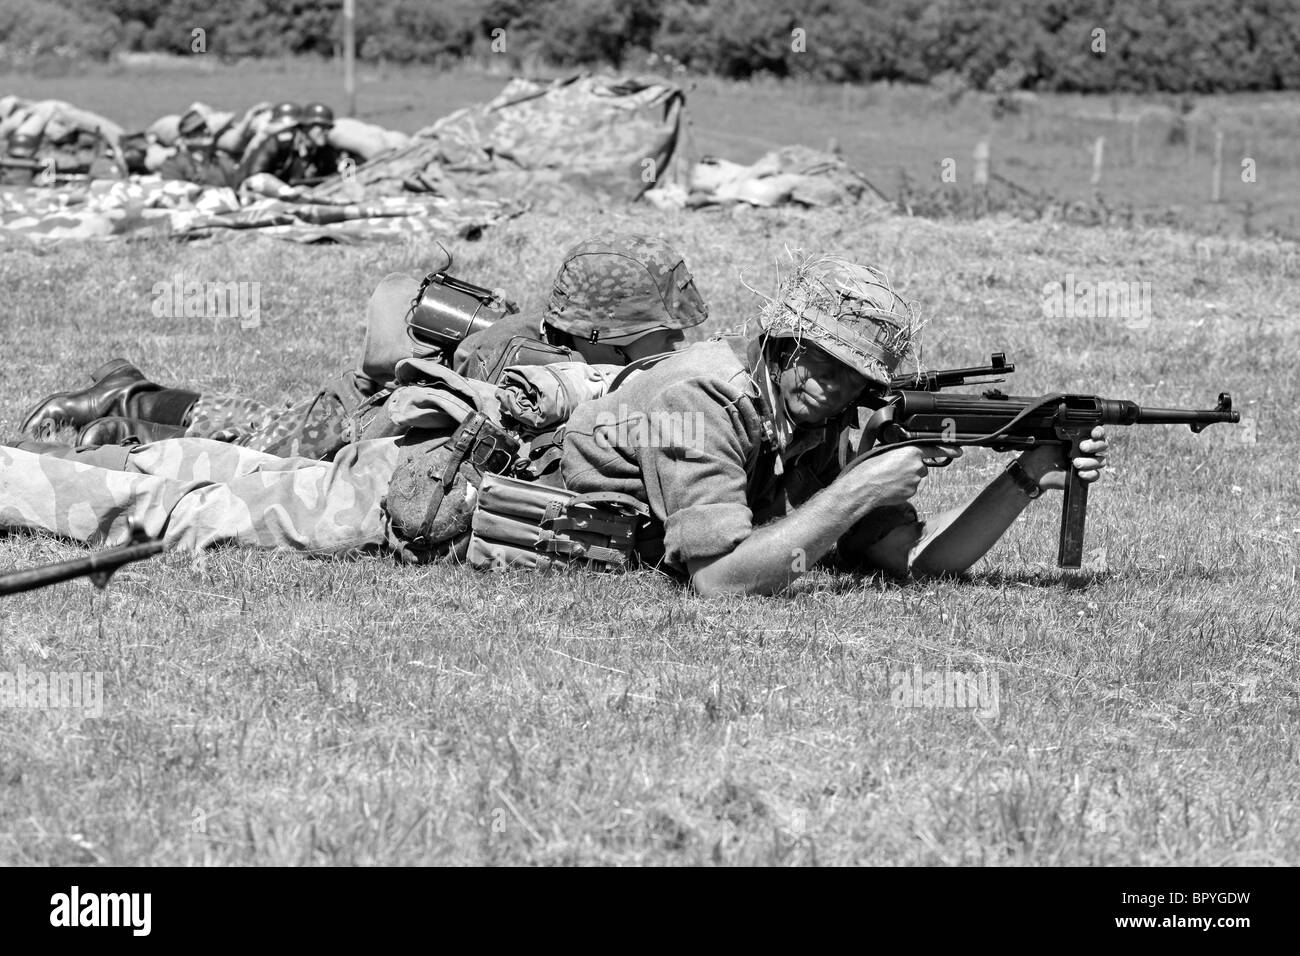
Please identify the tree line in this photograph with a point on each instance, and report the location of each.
(998, 45)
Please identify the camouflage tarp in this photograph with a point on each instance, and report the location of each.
(106, 209)
(791, 174)
(595, 137)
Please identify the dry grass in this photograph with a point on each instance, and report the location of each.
(269, 708)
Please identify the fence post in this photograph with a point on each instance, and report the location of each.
(981, 175)
(1098, 155)
(349, 54)
(1216, 181)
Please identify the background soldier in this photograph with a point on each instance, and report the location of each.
(300, 153)
(616, 299)
(197, 159)
(22, 147)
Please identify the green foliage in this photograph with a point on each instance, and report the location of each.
(32, 31)
(415, 31)
(998, 45)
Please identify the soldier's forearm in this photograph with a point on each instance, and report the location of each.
(775, 555)
(956, 539)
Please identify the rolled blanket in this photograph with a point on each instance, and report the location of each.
(540, 397)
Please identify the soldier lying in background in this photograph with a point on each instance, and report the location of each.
(197, 158)
(195, 493)
(50, 141)
(615, 299)
(299, 153)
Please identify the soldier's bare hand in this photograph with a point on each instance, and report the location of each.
(1047, 463)
(894, 477)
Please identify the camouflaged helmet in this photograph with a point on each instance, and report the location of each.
(617, 285)
(23, 145)
(849, 311)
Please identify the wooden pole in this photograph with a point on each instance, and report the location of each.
(1135, 144)
(349, 55)
(981, 177)
(1216, 182)
(1098, 154)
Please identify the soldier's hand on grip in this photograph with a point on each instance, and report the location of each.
(1047, 463)
(895, 476)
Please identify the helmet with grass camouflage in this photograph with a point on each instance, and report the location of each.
(617, 284)
(23, 145)
(847, 310)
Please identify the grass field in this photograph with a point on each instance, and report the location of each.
(272, 708)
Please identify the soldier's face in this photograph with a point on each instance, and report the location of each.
(318, 135)
(815, 386)
(653, 343)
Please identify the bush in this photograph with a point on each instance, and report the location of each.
(414, 31)
(34, 30)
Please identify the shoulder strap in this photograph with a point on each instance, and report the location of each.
(640, 365)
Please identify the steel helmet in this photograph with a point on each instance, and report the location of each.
(23, 144)
(317, 114)
(286, 114)
(617, 285)
(849, 311)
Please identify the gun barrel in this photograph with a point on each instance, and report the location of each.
(103, 562)
(1185, 416)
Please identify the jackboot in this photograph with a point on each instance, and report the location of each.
(161, 406)
(126, 431)
(120, 389)
(113, 381)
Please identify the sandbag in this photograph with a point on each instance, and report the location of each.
(365, 140)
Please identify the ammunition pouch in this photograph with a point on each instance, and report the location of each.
(517, 524)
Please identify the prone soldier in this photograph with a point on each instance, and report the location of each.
(616, 298)
(752, 494)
